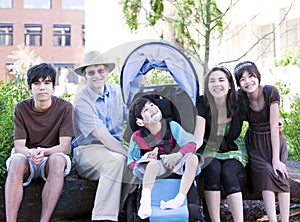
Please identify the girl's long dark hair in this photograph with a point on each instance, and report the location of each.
(231, 101)
(223, 143)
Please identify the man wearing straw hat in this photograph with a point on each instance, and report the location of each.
(99, 122)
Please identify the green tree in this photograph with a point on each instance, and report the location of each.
(191, 25)
(191, 22)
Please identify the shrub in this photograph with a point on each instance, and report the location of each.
(291, 57)
(10, 94)
(292, 129)
(291, 120)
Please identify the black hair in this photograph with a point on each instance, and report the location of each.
(248, 66)
(135, 111)
(234, 111)
(43, 71)
(231, 96)
(138, 105)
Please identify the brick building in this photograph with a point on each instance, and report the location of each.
(53, 29)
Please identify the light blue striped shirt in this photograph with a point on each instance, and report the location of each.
(93, 111)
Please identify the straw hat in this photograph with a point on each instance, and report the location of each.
(94, 58)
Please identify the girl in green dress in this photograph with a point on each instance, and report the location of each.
(219, 127)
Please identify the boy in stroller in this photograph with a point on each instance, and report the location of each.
(159, 148)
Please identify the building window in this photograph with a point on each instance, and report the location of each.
(37, 4)
(66, 79)
(33, 35)
(6, 34)
(291, 38)
(61, 35)
(75, 4)
(83, 34)
(267, 43)
(6, 3)
(65, 73)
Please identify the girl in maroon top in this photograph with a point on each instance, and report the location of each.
(265, 143)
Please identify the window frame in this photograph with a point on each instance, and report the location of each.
(6, 4)
(267, 43)
(72, 76)
(74, 5)
(290, 37)
(7, 35)
(31, 35)
(37, 4)
(60, 37)
(83, 34)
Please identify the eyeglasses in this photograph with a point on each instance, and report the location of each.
(93, 72)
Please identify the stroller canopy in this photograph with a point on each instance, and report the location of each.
(160, 56)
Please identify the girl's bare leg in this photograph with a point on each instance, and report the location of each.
(284, 206)
(235, 202)
(269, 201)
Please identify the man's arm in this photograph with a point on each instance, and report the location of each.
(36, 155)
(62, 147)
(109, 141)
(20, 147)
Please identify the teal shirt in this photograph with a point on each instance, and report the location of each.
(179, 134)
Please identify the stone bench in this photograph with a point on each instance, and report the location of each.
(78, 194)
(294, 180)
(76, 200)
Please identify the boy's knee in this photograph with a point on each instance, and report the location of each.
(56, 161)
(18, 168)
(192, 160)
(18, 163)
(57, 157)
(153, 164)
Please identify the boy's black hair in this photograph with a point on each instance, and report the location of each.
(136, 110)
(167, 108)
(139, 105)
(42, 70)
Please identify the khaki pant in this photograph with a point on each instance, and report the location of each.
(96, 162)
